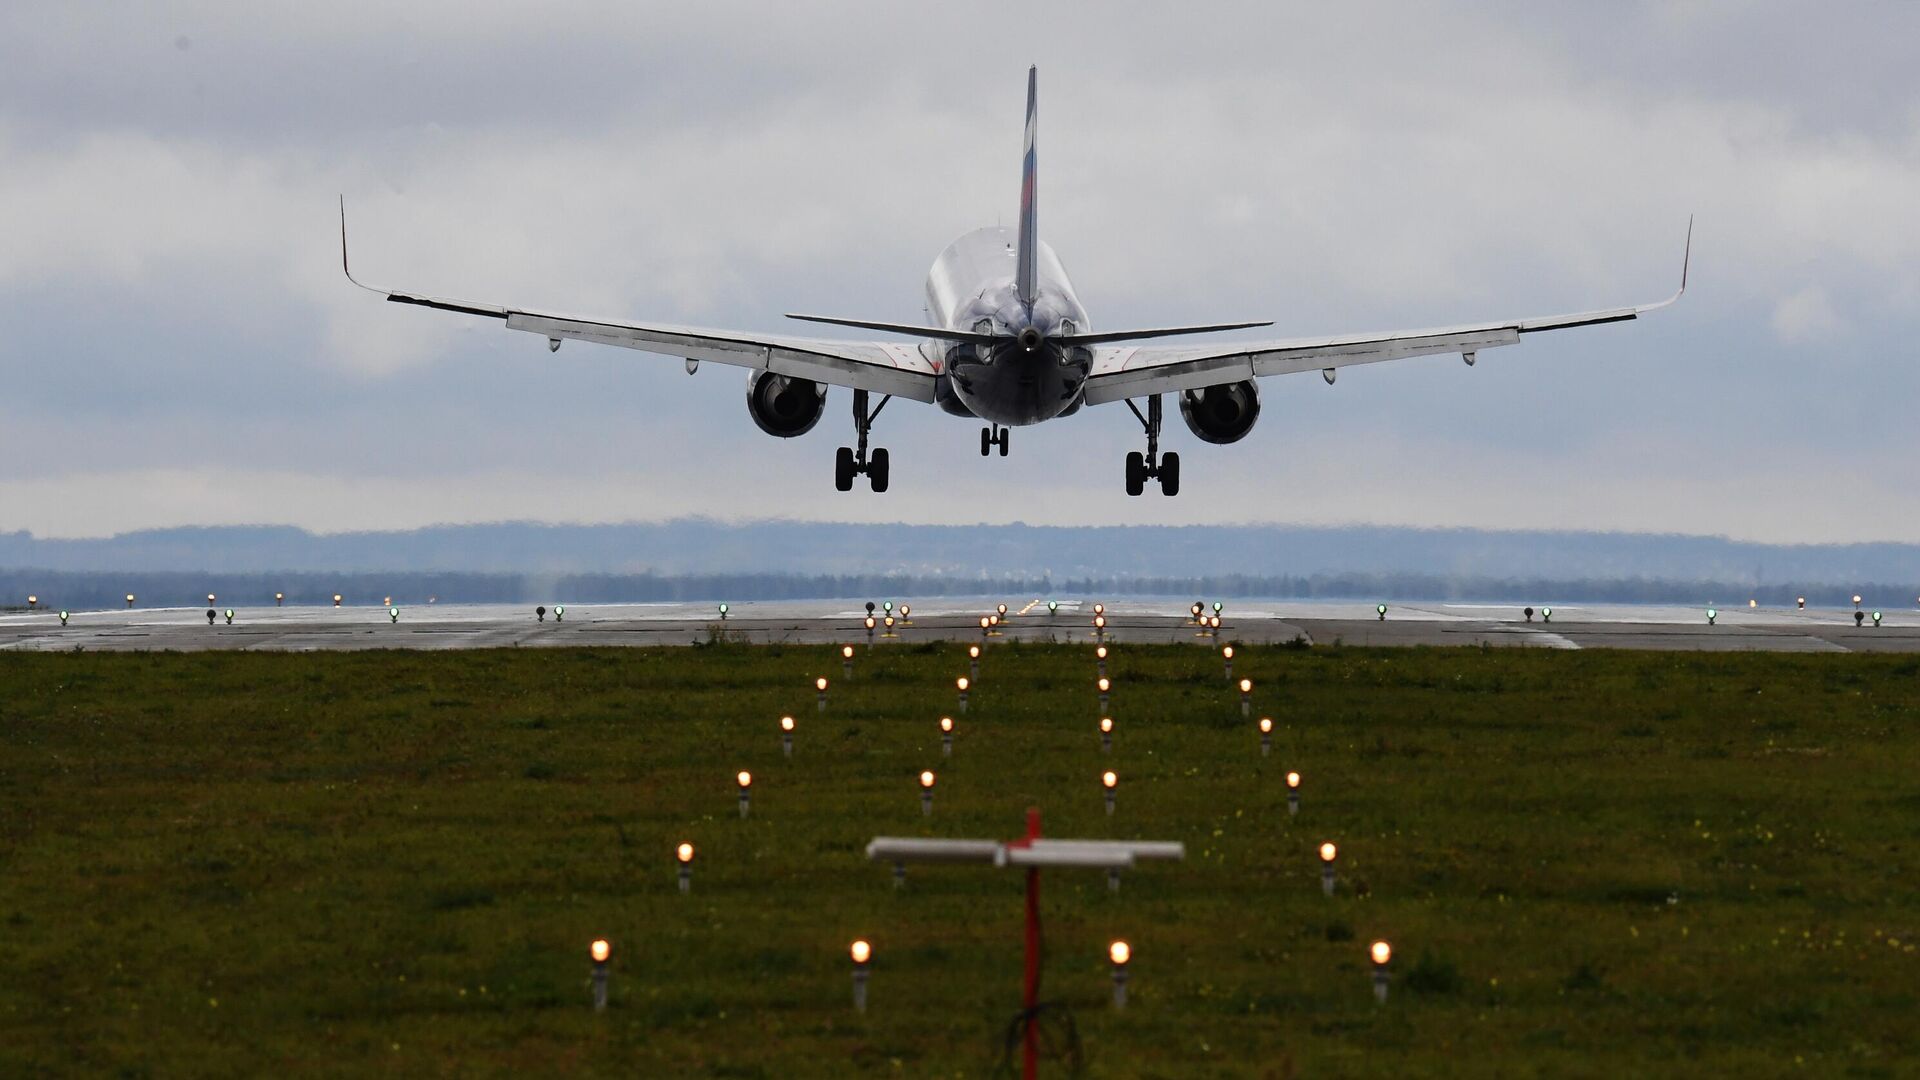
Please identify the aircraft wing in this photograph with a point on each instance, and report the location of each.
(1121, 372)
(883, 367)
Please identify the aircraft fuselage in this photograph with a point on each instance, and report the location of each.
(1031, 377)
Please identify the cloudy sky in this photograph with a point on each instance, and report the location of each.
(180, 347)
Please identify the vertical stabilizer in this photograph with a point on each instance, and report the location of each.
(1027, 272)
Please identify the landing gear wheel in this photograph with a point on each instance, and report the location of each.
(1136, 473)
(877, 470)
(843, 469)
(1169, 473)
(1006, 436)
(986, 441)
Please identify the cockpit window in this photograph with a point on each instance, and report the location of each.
(1066, 327)
(983, 326)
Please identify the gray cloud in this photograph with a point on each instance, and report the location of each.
(182, 348)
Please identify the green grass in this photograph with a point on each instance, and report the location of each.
(1592, 863)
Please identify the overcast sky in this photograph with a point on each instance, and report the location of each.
(180, 347)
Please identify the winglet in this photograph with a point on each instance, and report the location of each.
(1686, 260)
(344, 268)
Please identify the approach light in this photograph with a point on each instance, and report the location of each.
(723, 611)
(962, 683)
(684, 853)
(1100, 652)
(229, 616)
(600, 950)
(926, 778)
(1106, 725)
(744, 779)
(1801, 603)
(1856, 599)
(1381, 953)
(32, 602)
(1293, 780)
(786, 723)
(1216, 607)
(336, 599)
(861, 952)
(1001, 611)
(210, 599)
(279, 598)
(1328, 852)
(1712, 614)
(985, 623)
(1382, 610)
(906, 611)
(1119, 952)
(946, 725)
(1099, 609)
(846, 652)
(559, 612)
(1546, 613)
(1108, 780)
(1246, 686)
(1099, 622)
(1876, 618)
(973, 652)
(820, 684)
(1266, 726)
(1214, 624)
(63, 617)
(393, 613)
(1104, 685)
(887, 607)
(1053, 606)
(129, 599)
(1226, 651)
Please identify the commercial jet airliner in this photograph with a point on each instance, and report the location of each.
(1008, 342)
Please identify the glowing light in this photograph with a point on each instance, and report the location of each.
(1100, 652)
(861, 951)
(846, 652)
(1108, 779)
(786, 723)
(906, 610)
(1104, 685)
(723, 609)
(820, 684)
(1246, 686)
(985, 622)
(745, 779)
(1100, 622)
(1119, 952)
(946, 725)
(1293, 780)
(973, 652)
(1106, 725)
(1381, 953)
(684, 853)
(1266, 726)
(926, 778)
(871, 623)
(600, 950)
(1328, 852)
(1099, 609)
(1001, 610)
(1227, 651)
(1214, 623)
(962, 683)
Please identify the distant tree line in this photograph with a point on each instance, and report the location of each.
(96, 590)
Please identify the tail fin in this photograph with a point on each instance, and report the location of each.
(1027, 272)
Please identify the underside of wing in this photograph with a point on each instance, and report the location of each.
(1137, 371)
(882, 367)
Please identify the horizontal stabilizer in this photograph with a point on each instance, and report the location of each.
(996, 339)
(903, 328)
(1112, 336)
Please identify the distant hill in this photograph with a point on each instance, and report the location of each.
(700, 559)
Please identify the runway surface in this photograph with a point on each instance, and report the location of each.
(468, 626)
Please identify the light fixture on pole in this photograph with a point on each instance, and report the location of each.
(1119, 953)
(1106, 734)
(1266, 736)
(684, 856)
(946, 736)
(1293, 793)
(745, 780)
(962, 683)
(786, 735)
(862, 954)
(1109, 781)
(1381, 954)
(1246, 697)
(820, 693)
(600, 951)
(1328, 853)
(926, 791)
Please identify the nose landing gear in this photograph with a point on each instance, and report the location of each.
(994, 436)
(849, 463)
(1152, 464)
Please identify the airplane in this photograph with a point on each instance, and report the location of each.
(1008, 342)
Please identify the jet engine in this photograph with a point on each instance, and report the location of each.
(784, 406)
(1221, 414)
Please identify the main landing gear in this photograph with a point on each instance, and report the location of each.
(991, 437)
(1152, 464)
(849, 463)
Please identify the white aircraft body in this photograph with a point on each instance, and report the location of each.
(1009, 342)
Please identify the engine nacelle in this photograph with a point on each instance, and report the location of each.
(1221, 414)
(784, 406)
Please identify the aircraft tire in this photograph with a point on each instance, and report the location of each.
(1136, 473)
(1006, 436)
(843, 469)
(877, 470)
(1170, 474)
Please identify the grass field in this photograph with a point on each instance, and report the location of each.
(1590, 863)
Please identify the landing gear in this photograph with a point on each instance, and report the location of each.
(851, 462)
(1152, 464)
(991, 437)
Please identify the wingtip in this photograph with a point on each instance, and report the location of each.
(1686, 255)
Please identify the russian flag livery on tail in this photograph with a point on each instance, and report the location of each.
(1007, 341)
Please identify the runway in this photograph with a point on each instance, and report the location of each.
(1317, 623)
